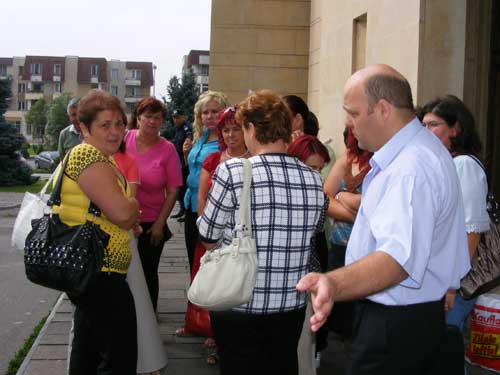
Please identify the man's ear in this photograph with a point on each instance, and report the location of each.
(385, 108)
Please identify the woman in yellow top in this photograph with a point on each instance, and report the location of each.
(105, 337)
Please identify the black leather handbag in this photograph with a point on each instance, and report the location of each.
(62, 257)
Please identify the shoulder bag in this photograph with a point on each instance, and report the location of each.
(484, 274)
(227, 276)
(32, 207)
(62, 257)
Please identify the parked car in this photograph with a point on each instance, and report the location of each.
(47, 160)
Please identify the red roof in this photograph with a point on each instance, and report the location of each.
(146, 69)
(194, 56)
(84, 72)
(47, 62)
(7, 61)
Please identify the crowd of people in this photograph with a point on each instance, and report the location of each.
(374, 249)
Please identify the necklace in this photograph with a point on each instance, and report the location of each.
(239, 156)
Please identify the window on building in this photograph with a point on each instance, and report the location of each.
(28, 129)
(3, 70)
(136, 74)
(36, 68)
(134, 92)
(17, 124)
(21, 70)
(94, 70)
(57, 86)
(359, 42)
(204, 87)
(37, 87)
(21, 88)
(114, 90)
(114, 74)
(57, 69)
(21, 105)
(204, 70)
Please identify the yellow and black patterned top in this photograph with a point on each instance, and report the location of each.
(75, 204)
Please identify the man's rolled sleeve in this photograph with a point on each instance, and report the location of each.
(412, 212)
(212, 222)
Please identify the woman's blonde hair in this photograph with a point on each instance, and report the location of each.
(203, 99)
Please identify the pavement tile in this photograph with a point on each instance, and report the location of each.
(58, 327)
(44, 367)
(190, 367)
(57, 339)
(51, 351)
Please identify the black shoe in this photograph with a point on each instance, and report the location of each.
(178, 214)
(181, 219)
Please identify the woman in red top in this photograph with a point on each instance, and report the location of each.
(232, 145)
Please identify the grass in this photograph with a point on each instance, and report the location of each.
(18, 359)
(35, 188)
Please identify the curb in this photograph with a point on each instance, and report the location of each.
(33, 348)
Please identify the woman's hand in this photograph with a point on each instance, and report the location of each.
(156, 232)
(137, 230)
(187, 146)
(449, 299)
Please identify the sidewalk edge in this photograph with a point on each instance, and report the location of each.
(33, 348)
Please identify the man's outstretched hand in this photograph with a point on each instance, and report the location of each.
(322, 291)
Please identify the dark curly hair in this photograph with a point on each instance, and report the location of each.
(454, 112)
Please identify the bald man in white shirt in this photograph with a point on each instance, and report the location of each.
(408, 244)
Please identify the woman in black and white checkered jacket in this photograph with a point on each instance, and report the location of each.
(286, 204)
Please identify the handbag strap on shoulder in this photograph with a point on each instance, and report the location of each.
(243, 218)
(55, 196)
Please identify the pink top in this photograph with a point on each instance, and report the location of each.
(159, 168)
(126, 165)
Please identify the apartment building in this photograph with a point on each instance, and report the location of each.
(198, 62)
(37, 77)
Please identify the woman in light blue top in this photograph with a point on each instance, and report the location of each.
(195, 151)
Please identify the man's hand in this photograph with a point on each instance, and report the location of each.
(322, 292)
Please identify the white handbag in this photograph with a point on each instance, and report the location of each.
(32, 207)
(227, 276)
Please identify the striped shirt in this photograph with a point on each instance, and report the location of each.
(286, 204)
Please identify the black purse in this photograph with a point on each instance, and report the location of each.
(62, 257)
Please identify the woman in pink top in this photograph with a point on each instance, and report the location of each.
(160, 171)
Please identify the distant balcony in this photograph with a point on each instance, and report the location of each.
(132, 82)
(56, 78)
(132, 99)
(94, 79)
(36, 78)
(33, 95)
(56, 95)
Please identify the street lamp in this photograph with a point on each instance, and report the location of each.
(154, 80)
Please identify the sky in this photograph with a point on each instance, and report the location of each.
(159, 31)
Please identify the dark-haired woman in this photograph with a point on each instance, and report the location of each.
(160, 172)
(105, 334)
(450, 120)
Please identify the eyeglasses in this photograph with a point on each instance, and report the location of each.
(433, 124)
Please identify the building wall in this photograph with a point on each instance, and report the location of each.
(391, 37)
(259, 44)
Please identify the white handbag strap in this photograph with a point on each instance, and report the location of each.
(44, 189)
(243, 218)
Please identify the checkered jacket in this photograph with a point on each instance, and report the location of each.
(286, 204)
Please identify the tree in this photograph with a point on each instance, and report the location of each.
(37, 117)
(57, 119)
(12, 170)
(182, 95)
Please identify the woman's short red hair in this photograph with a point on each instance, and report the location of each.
(307, 145)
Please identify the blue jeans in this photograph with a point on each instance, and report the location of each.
(461, 309)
